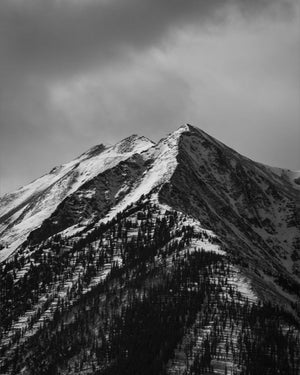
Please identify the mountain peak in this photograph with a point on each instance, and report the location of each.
(136, 234)
(185, 128)
(132, 143)
(93, 151)
(186, 154)
(194, 130)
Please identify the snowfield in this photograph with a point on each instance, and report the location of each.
(26, 209)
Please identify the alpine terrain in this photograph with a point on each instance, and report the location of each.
(177, 257)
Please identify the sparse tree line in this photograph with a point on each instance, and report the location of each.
(135, 320)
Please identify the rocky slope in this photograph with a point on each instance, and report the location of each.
(254, 208)
(27, 208)
(185, 232)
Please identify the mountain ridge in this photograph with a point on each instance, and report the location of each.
(228, 193)
(75, 173)
(185, 235)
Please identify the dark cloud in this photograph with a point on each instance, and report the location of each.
(52, 51)
(61, 37)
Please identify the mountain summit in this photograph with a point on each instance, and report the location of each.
(26, 209)
(177, 221)
(189, 170)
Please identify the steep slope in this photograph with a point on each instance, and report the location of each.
(252, 208)
(149, 292)
(180, 257)
(113, 188)
(26, 209)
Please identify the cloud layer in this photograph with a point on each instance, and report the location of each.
(74, 73)
(61, 37)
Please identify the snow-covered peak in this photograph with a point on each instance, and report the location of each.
(162, 162)
(199, 156)
(133, 143)
(93, 151)
(26, 209)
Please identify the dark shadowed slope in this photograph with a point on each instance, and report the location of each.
(180, 257)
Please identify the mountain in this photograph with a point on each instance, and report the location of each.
(27, 208)
(180, 257)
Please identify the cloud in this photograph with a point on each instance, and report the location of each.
(51, 37)
(145, 95)
(77, 72)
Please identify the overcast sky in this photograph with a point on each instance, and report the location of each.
(75, 73)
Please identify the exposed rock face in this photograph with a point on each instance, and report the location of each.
(127, 240)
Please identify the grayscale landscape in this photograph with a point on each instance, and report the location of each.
(175, 257)
(149, 187)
